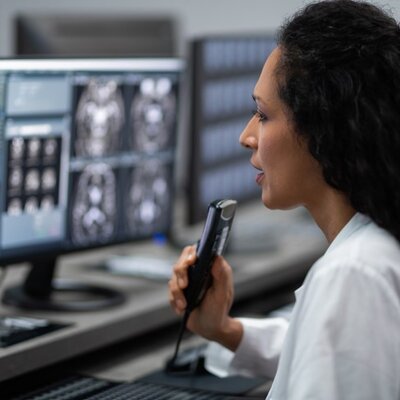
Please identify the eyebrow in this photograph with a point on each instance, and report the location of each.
(258, 99)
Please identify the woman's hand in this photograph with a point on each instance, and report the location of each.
(211, 318)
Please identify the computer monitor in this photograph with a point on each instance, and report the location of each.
(86, 160)
(94, 35)
(224, 70)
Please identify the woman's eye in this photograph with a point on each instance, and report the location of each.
(259, 115)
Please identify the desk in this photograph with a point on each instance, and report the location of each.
(146, 309)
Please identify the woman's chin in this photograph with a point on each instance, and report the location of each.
(267, 201)
(272, 202)
(278, 204)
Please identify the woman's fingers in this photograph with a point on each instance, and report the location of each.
(179, 279)
(176, 296)
(187, 258)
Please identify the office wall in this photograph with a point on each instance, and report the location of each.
(195, 17)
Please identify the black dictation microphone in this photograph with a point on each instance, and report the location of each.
(212, 243)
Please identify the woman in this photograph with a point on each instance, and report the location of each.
(325, 135)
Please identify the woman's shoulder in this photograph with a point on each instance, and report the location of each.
(369, 249)
(371, 244)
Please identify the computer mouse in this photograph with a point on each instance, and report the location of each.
(188, 361)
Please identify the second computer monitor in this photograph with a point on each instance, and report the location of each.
(224, 71)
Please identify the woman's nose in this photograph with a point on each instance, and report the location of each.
(248, 137)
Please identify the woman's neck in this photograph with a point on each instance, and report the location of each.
(331, 212)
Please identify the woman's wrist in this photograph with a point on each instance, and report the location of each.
(231, 334)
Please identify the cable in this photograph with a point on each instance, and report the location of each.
(171, 363)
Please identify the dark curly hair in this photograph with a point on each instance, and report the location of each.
(339, 77)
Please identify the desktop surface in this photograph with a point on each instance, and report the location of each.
(124, 343)
(146, 309)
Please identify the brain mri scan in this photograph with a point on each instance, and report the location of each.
(50, 148)
(15, 179)
(17, 148)
(14, 207)
(33, 174)
(31, 205)
(34, 147)
(32, 181)
(99, 118)
(148, 197)
(47, 202)
(49, 179)
(153, 114)
(94, 205)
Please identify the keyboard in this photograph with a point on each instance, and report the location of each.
(16, 329)
(151, 391)
(69, 388)
(89, 388)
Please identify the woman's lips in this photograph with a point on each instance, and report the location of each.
(259, 177)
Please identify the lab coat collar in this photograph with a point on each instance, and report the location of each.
(356, 222)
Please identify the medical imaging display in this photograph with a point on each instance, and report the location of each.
(224, 71)
(87, 152)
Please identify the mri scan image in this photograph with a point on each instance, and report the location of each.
(17, 148)
(49, 179)
(32, 181)
(15, 178)
(14, 207)
(47, 202)
(99, 118)
(148, 197)
(33, 172)
(31, 205)
(34, 147)
(94, 204)
(153, 114)
(50, 148)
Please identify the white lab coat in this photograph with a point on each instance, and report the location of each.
(343, 339)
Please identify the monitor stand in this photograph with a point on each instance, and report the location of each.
(41, 291)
